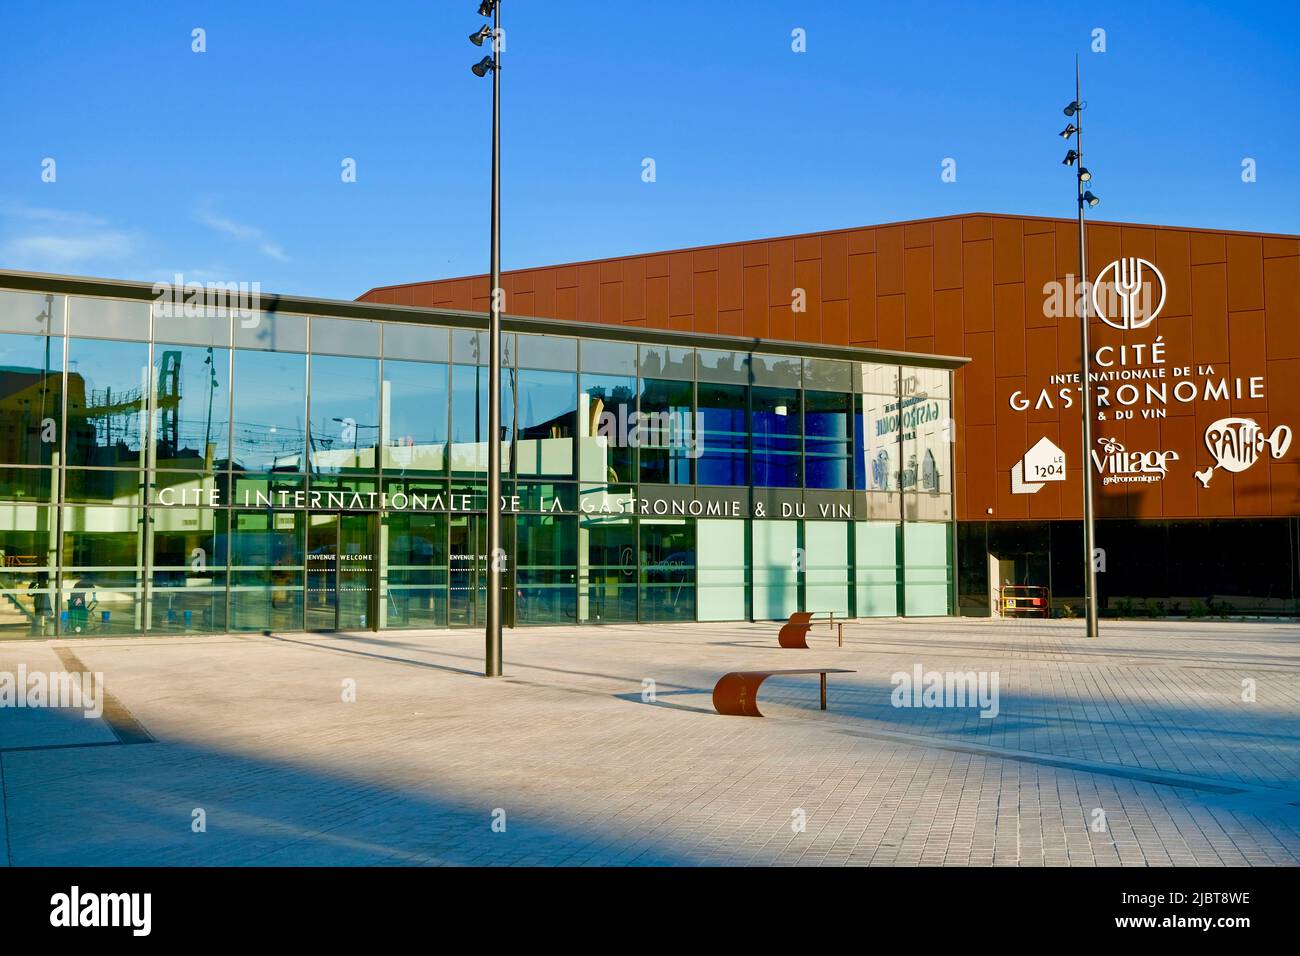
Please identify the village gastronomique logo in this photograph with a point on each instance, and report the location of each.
(1117, 465)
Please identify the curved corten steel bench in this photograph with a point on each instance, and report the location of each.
(736, 694)
(794, 632)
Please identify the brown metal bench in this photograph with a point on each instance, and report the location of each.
(736, 694)
(794, 632)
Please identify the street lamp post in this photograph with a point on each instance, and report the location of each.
(1085, 199)
(496, 557)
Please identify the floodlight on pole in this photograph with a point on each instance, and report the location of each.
(1083, 200)
(496, 555)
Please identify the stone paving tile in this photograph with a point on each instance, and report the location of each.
(1146, 724)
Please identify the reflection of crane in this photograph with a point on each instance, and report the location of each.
(115, 409)
(169, 399)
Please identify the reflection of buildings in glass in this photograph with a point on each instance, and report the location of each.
(167, 506)
(30, 403)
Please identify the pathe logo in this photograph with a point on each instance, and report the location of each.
(1236, 443)
(1125, 291)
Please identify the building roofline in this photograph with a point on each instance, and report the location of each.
(829, 232)
(460, 318)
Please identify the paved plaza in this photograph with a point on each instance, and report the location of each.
(1159, 744)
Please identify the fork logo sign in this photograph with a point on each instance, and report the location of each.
(1124, 292)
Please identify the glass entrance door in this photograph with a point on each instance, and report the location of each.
(468, 571)
(340, 572)
(356, 576)
(467, 568)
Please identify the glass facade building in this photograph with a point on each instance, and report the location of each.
(322, 465)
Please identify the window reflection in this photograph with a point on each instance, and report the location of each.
(415, 431)
(606, 413)
(31, 398)
(722, 413)
(546, 422)
(878, 450)
(107, 385)
(469, 417)
(344, 414)
(665, 400)
(826, 439)
(270, 411)
(192, 401)
(266, 564)
(776, 426)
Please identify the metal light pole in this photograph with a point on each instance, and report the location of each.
(492, 653)
(1084, 199)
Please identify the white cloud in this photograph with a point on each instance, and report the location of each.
(53, 240)
(66, 250)
(243, 233)
(59, 217)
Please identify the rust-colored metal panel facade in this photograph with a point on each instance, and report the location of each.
(1224, 344)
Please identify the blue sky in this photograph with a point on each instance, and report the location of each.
(226, 164)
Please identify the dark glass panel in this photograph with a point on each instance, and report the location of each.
(609, 585)
(103, 486)
(668, 570)
(826, 439)
(722, 413)
(31, 398)
(775, 425)
(665, 400)
(27, 484)
(546, 569)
